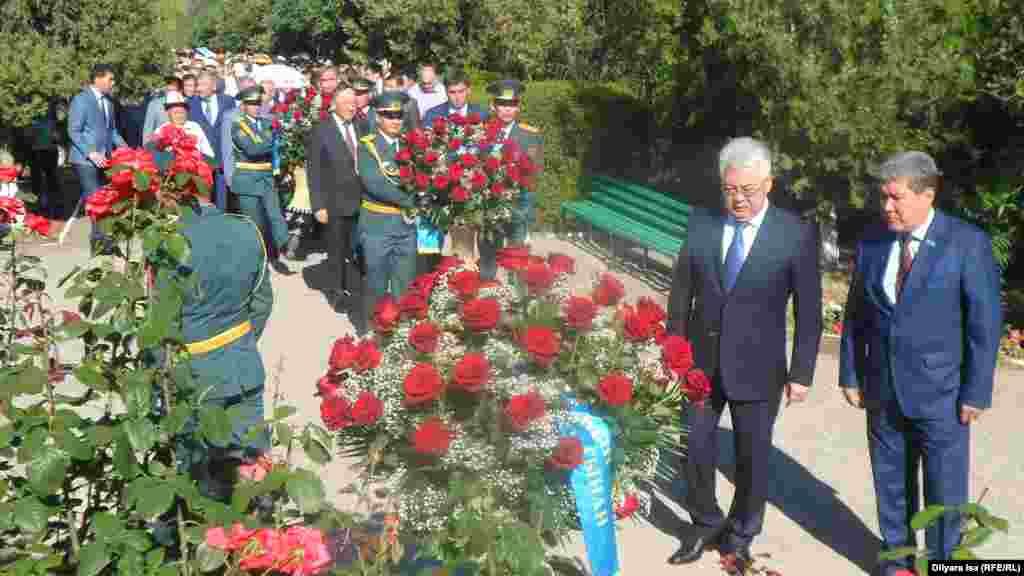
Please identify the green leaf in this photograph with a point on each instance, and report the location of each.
(963, 554)
(30, 515)
(94, 557)
(306, 489)
(73, 445)
(130, 562)
(137, 391)
(107, 526)
(284, 433)
(316, 451)
(927, 517)
(30, 380)
(282, 412)
(136, 540)
(995, 522)
(91, 376)
(141, 434)
(897, 553)
(46, 471)
(976, 536)
(141, 180)
(154, 500)
(178, 248)
(210, 558)
(921, 565)
(6, 435)
(215, 425)
(124, 459)
(175, 422)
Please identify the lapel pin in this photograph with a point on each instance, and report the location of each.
(930, 243)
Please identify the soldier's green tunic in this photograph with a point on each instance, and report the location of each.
(223, 316)
(253, 179)
(387, 240)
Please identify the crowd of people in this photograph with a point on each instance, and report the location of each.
(922, 325)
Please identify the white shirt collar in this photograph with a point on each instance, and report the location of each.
(390, 141)
(99, 95)
(921, 231)
(757, 220)
(464, 111)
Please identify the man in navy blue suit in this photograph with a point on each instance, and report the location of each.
(208, 109)
(732, 282)
(458, 96)
(919, 348)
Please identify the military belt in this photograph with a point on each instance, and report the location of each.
(254, 166)
(380, 208)
(220, 340)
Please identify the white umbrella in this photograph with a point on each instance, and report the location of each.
(283, 76)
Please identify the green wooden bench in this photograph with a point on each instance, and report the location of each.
(628, 212)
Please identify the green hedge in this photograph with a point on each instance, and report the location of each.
(587, 128)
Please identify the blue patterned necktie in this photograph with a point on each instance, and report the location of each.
(735, 256)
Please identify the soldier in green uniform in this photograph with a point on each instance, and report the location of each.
(224, 313)
(386, 236)
(506, 94)
(253, 177)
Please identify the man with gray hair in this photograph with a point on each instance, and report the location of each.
(920, 341)
(732, 282)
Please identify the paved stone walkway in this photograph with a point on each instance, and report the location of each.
(821, 518)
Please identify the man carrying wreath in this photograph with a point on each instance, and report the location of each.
(386, 235)
(505, 101)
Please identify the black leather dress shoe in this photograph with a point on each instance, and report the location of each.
(692, 546)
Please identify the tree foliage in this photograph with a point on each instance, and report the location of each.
(47, 48)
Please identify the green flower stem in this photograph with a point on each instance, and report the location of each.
(14, 285)
(179, 506)
(70, 518)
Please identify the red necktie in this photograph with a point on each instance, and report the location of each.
(347, 129)
(906, 262)
(325, 106)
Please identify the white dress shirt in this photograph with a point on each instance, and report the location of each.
(348, 134)
(892, 267)
(749, 232)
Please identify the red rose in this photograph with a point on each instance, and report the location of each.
(568, 454)
(297, 115)
(615, 390)
(639, 326)
(327, 386)
(510, 151)
(424, 284)
(368, 357)
(100, 203)
(472, 372)
(422, 385)
(422, 181)
(405, 172)
(418, 139)
(459, 194)
(677, 355)
(465, 284)
(648, 307)
(473, 118)
(539, 278)
(524, 409)
(454, 144)
(367, 409)
(440, 182)
(468, 160)
(386, 314)
(455, 172)
(497, 189)
(37, 224)
(432, 437)
(697, 387)
(336, 413)
(343, 353)
(561, 263)
(424, 337)
(440, 125)
(579, 313)
(457, 119)
(481, 315)
(275, 124)
(609, 290)
(413, 305)
(542, 344)
(514, 257)
(492, 164)
(12, 208)
(478, 181)
(446, 264)
(8, 174)
(310, 93)
(514, 175)
(430, 157)
(837, 328)
(630, 504)
(403, 155)
(291, 96)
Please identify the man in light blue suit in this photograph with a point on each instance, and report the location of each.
(92, 130)
(920, 342)
(209, 109)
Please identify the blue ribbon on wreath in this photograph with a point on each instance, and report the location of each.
(591, 484)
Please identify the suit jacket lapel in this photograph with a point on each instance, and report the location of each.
(874, 276)
(760, 247)
(717, 229)
(928, 253)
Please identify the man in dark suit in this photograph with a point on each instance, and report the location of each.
(336, 191)
(92, 129)
(459, 92)
(207, 108)
(920, 342)
(732, 282)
